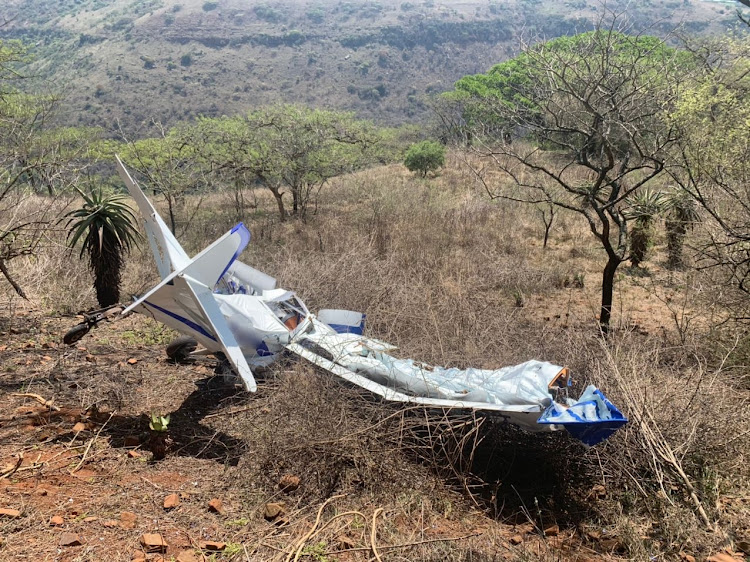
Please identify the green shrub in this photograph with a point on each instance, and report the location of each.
(424, 157)
(268, 14)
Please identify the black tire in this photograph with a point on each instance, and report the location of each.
(181, 348)
(76, 333)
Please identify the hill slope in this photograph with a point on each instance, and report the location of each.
(134, 60)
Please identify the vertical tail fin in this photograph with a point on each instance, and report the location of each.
(168, 253)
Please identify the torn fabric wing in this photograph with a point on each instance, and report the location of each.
(531, 395)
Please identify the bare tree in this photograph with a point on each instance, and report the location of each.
(590, 112)
(38, 163)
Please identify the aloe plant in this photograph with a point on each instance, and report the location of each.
(159, 426)
(645, 206)
(682, 215)
(105, 224)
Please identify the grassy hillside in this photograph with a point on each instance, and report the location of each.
(136, 60)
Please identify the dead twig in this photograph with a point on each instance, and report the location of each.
(48, 403)
(91, 442)
(373, 533)
(14, 468)
(402, 545)
(297, 550)
(18, 468)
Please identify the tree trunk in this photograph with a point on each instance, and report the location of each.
(280, 203)
(12, 281)
(547, 220)
(608, 285)
(170, 206)
(239, 198)
(295, 200)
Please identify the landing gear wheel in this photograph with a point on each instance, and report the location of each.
(181, 348)
(76, 333)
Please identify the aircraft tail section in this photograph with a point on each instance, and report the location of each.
(168, 252)
(184, 300)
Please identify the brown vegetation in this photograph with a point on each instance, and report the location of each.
(451, 278)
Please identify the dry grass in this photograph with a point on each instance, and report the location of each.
(453, 279)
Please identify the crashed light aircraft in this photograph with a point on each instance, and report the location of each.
(234, 310)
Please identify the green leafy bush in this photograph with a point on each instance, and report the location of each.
(424, 157)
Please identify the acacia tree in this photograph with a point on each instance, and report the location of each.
(229, 147)
(424, 157)
(171, 164)
(590, 111)
(290, 149)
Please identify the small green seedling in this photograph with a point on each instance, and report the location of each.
(158, 423)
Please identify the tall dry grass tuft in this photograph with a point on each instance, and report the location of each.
(687, 442)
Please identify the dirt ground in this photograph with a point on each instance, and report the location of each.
(79, 483)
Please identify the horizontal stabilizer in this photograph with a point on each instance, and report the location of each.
(343, 321)
(208, 266)
(184, 300)
(212, 263)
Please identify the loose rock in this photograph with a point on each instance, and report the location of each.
(153, 542)
(273, 510)
(70, 539)
(212, 545)
(171, 501)
(127, 520)
(10, 513)
(288, 483)
(216, 506)
(56, 521)
(516, 539)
